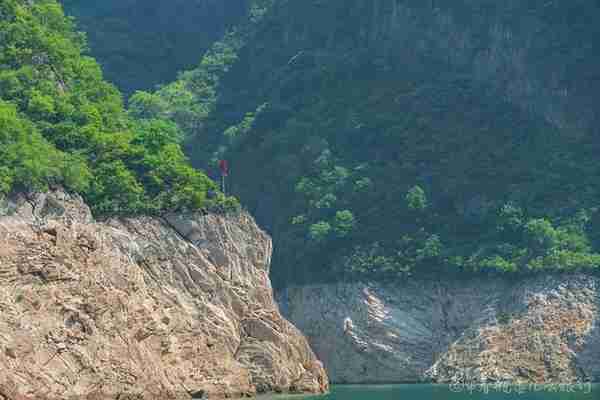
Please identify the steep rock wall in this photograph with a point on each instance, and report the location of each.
(158, 308)
(539, 329)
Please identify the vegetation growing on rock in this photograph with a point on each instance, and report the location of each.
(372, 139)
(62, 123)
(378, 139)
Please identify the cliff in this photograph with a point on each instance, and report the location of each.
(538, 329)
(166, 308)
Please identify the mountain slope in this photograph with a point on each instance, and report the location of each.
(383, 137)
(141, 44)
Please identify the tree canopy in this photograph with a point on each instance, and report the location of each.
(62, 123)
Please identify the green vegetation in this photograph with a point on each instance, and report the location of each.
(504, 318)
(368, 155)
(144, 43)
(61, 123)
(372, 139)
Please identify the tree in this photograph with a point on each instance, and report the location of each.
(541, 235)
(144, 105)
(430, 250)
(320, 231)
(26, 158)
(343, 223)
(61, 122)
(510, 218)
(416, 199)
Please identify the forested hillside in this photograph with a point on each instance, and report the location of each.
(142, 43)
(61, 123)
(376, 139)
(380, 138)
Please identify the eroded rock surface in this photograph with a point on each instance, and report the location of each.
(537, 329)
(147, 308)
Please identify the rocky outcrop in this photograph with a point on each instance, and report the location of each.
(148, 308)
(537, 329)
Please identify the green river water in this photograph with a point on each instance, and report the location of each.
(442, 392)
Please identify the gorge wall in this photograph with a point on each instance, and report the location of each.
(540, 329)
(151, 308)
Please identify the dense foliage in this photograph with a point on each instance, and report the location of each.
(380, 139)
(143, 43)
(61, 123)
(377, 139)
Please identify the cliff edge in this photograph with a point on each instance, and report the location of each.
(145, 308)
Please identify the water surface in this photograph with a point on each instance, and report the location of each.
(461, 392)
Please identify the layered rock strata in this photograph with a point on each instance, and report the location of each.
(537, 329)
(172, 307)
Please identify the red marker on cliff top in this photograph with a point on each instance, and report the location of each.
(224, 166)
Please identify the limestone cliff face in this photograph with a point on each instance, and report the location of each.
(539, 329)
(154, 308)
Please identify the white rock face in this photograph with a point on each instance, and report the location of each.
(539, 329)
(148, 308)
